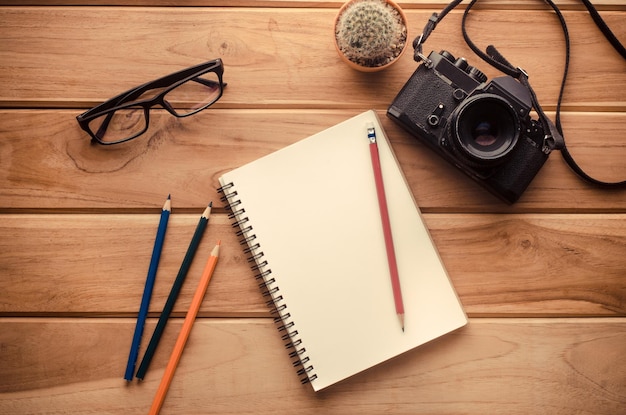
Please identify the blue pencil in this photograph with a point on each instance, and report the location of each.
(147, 292)
(171, 298)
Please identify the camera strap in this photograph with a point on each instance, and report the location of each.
(554, 132)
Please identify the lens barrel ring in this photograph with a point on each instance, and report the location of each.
(484, 130)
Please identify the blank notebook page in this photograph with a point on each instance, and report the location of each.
(311, 213)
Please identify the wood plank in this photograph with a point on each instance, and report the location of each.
(74, 64)
(77, 221)
(419, 4)
(49, 163)
(501, 366)
(501, 265)
(98, 264)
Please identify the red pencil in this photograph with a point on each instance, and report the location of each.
(384, 215)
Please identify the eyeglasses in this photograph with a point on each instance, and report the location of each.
(182, 94)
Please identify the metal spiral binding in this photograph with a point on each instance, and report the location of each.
(267, 284)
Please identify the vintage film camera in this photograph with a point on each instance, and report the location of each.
(484, 129)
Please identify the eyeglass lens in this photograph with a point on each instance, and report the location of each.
(195, 94)
(186, 99)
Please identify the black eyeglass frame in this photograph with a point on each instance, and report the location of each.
(169, 82)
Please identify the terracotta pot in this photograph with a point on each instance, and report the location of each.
(355, 65)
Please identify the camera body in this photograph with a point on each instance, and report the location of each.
(484, 129)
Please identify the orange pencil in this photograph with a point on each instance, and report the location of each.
(186, 329)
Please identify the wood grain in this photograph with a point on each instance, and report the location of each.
(419, 4)
(212, 3)
(413, 4)
(280, 58)
(231, 366)
(551, 265)
(542, 280)
(136, 175)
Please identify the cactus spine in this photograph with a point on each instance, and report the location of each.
(370, 32)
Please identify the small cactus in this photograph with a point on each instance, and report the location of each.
(370, 32)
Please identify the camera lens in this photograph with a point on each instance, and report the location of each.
(486, 129)
(485, 133)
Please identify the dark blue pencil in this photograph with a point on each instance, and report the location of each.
(147, 291)
(171, 299)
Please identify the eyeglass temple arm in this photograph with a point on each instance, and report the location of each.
(160, 83)
(137, 92)
(208, 82)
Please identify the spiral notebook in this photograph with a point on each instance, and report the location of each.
(310, 219)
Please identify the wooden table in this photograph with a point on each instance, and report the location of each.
(543, 281)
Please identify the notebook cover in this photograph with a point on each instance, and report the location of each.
(311, 213)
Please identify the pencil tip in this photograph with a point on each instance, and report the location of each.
(216, 249)
(168, 204)
(169, 196)
(206, 212)
(211, 203)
